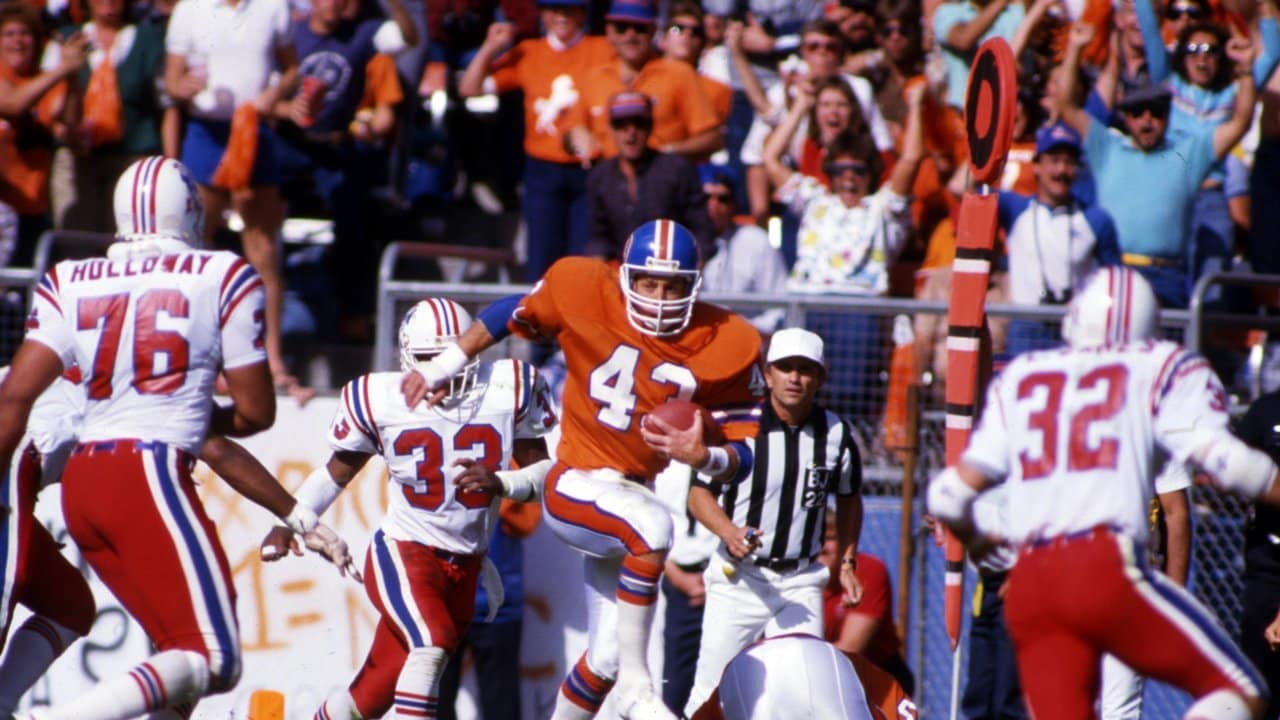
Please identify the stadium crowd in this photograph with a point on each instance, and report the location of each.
(808, 147)
(1137, 139)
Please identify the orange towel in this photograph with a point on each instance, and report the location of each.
(235, 170)
(103, 123)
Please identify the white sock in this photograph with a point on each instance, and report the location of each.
(32, 650)
(566, 710)
(168, 679)
(181, 712)
(634, 624)
(417, 688)
(338, 706)
(1219, 705)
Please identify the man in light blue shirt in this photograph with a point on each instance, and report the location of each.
(961, 26)
(1146, 179)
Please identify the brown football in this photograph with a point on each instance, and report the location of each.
(679, 414)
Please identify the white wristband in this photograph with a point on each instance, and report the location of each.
(717, 461)
(318, 491)
(440, 368)
(949, 497)
(300, 519)
(524, 484)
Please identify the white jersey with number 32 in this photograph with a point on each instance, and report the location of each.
(510, 401)
(1075, 431)
(150, 335)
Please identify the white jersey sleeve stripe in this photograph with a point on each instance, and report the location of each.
(1187, 363)
(351, 399)
(49, 290)
(245, 292)
(239, 280)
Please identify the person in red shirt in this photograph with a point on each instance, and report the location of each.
(866, 628)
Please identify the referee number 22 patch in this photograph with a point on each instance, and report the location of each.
(817, 478)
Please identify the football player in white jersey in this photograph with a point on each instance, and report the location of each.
(1073, 433)
(150, 327)
(33, 571)
(445, 464)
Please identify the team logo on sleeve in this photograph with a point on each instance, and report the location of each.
(817, 481)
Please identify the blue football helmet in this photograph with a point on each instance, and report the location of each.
(662, 248)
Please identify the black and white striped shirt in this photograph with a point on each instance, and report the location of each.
(793, 471)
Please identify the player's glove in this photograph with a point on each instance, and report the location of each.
(334, 549)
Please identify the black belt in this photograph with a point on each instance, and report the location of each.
(694, 567)
(782, 566)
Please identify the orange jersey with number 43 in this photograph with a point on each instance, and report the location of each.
(616, 374)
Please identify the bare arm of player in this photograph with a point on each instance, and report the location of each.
(848, 532)
(427, 379)
(242, 471)
(739, 541)
(253, 402)
(34, 368)
(1177, 523)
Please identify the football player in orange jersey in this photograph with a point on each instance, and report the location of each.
(633, 337)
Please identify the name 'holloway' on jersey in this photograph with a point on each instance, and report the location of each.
(509, 402)
(150, 336)
(1092, 420)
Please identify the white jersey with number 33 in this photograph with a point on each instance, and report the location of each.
(1074, 432)
(509, 401)
(150, 335)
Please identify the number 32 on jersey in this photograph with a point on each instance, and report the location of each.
(1083, 452)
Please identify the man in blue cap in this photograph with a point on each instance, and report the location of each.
(1054, 242)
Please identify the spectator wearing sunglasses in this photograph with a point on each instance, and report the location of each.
(1200, 76)
(822, 55)
(1148, 181)
(684, 41)
(961, 26)
(849, 234)
(639, 184)
(743, 261)
(684, 122)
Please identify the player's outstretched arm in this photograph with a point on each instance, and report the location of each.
(242, 471)
(35, 366)
(427, 379)
(253, 402)
(313, 498)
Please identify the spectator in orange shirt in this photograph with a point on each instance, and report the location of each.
(683, 121)
(36, 109)
(684, 41)
(551, 71)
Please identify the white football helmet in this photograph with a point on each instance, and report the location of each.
(427, 329)
(1115, 306)
(156, 199)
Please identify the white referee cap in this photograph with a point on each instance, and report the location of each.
(795, 342)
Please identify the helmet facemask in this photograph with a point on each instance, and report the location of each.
(660, 249)
(428, 328)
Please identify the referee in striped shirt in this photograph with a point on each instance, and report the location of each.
(766, 580)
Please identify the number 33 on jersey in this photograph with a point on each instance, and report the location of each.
(508, 402)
